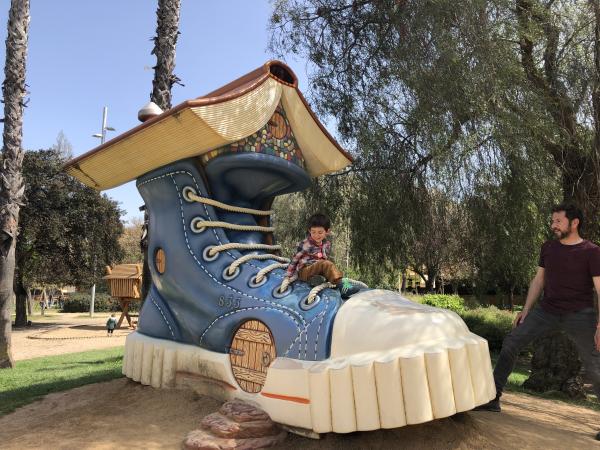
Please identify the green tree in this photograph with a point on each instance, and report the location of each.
(130, 242)
(509, 224)
(11, 180)
(68, 231)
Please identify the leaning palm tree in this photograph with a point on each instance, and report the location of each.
(11, 180)
(165, 42)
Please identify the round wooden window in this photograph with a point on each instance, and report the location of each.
(251, 354)
(278, 126)
(160, 260)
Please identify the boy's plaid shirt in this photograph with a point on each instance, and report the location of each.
(307, 253)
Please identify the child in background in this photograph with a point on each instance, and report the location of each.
(311, 260)
(111, 324)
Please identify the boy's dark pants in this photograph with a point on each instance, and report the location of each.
(580, 326)
(322, 267)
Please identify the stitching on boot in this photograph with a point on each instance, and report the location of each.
(248, 309)
(305, 332)
(277, 307)
(162, 314)
(327, 302)
(279, 274)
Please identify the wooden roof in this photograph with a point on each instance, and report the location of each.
(197, 126)
(124, 271)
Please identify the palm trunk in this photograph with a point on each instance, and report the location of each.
(11, 181)
(165, 43)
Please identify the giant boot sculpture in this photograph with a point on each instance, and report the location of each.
(219, 308)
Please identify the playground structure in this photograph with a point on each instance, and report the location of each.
(220, 314)
(125, 284)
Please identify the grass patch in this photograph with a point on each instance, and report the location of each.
(33, 378)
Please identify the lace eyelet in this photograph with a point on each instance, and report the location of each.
(186, 194)
(305, 306)
(278, 294)
(207, 256)
(228, 277)
(253, 284)
(193, 227)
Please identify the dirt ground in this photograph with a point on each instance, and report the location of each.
(123, 413)
(58, 333)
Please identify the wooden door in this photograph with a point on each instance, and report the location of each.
(252, 351)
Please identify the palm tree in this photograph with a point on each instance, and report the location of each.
(167, 31)
(11, 180)
(165, 41)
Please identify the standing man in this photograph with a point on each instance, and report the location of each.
(568, 272)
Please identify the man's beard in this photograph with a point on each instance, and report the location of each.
(562, 234)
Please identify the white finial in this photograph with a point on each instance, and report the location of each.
(149, 111)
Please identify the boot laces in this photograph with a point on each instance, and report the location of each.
(198, 225)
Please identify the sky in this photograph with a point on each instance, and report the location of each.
(84, 55)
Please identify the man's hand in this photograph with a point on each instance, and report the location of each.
(597, 339)
(521, 317)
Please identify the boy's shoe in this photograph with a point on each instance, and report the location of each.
(346, 288)
(493, 406)
(316, 280)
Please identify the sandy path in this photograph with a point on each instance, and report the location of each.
(123, 413)
(64, 333)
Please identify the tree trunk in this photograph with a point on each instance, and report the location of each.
(165, 42)
(512, 297)
(21, 301)
(11, 181)
(29, 303)
(430, 281)
(145, 268)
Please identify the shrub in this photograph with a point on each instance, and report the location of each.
(80, 302)
(490, 323)
(451, 302)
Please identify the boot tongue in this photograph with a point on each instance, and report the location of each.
(249, 180)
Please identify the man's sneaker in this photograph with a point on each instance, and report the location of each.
(346, 288)
(316, 280)
(493, 406)
(220, 314)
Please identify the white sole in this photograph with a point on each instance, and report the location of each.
(367, 391)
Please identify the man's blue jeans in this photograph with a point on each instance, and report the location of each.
(580, 326)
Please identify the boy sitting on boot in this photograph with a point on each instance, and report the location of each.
(311, 259)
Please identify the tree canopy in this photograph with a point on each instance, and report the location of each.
(68, 231)
(468, 118)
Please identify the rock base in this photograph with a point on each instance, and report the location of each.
(237, 425)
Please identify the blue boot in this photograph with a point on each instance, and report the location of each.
(221, 317)
(216, 315)
(204, 295)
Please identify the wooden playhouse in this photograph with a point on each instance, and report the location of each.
(125, 284)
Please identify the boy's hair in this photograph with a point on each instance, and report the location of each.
(319, 220)
(572, 211)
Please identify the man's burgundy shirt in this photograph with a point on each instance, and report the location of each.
(569, 269)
